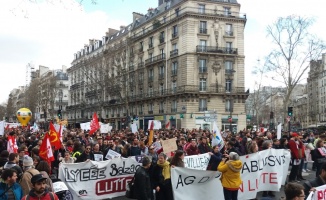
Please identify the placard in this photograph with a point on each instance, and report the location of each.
(169, 145)
(112, 154)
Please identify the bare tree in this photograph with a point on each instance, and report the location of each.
(294, 48)
(31, 95)
(10, 110)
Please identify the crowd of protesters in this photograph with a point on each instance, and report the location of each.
(79, 146)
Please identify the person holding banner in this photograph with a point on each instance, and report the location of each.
(86, 155)
(230, 168)
(142, 183)
(318, 181)
(294, 191)
(216, 158)
(162, 174)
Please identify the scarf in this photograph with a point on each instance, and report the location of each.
(166, 169)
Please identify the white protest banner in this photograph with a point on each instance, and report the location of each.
(199, 162)
(196, 184)
(112, 154)
(169, 145)
(133, 128)
(85, 126)
(2, 127)
(98, 157)
(110, 128)
(104, 128)
(319, 194)
(11, 125)
(279, 131)
(157, 124)
(98, 180)
(59, 186)
(263, 171)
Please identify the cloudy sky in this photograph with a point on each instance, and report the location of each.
(48, 33)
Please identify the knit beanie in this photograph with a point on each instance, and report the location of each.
(27, 161)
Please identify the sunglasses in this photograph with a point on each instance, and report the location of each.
(88, 148)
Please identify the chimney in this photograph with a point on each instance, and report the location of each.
(111, 31)
(160, 2)
(136, 15)
(122, 27)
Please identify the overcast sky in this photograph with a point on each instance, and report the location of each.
(49, 34)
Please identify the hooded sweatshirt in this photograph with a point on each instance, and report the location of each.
(230, 170)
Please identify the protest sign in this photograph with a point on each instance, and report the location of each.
(112, 154)
(2, 127)
(98, 157)
(12, 125)
(104, 128)
(59, 186)
(319, 194)
(98, 180)
(169, 145)
(199, 162)
(157, 146)
(85, 126)
(133, 128)
(196, 184)
(157, 124)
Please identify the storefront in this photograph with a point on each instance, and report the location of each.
(230, 123)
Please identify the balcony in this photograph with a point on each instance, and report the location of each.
(229, 71)
(150, 112)
(175, 34)
(173, 110)
(202, 88)
(140, 65)
(161, 76)
(201, 109)
(174, 53)
(150, 78)
(174, 72)
(150, 45)
(202, 69)
(228, 33)
(155, 59)
(203, 30)
(215, 49)
(161, 111)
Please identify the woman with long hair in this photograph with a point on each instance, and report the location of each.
(177, 159)
(125, 150)
(44, 168)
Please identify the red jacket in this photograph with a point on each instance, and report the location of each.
(294, 147)
(192, 150)
(45, 196)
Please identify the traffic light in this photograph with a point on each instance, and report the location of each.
(290, 111)
(59, 114)
(271, 116)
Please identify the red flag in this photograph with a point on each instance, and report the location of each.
(46, 152)
(95, 125)
(12, 144)
(152, 125)
(167, 125)
(7, 127)
(54, 137)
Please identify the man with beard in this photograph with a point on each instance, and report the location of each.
(9, 189)
(39, 191)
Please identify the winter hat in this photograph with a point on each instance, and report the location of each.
(27, 161)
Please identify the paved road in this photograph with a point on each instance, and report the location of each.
(278, 195)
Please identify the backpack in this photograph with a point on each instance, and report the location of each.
(51, 196)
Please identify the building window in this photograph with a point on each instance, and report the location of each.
(202, 45)
(161, 72)
(161, 89)
(228, 30)
(164, 19)
(228, 85)
(202, 105)
(174, 31)
(228, 47)
(150, 42)
(150, 107)
(161, 109)
(227, 11)
(201, 9)
(174, 106)
(177, 12)
(150, 56)
(174, 68)
(162, 35)
(203, 27)
(150, 91)
(228, 67)
(151, 74)
(228, 105)
(202, 84)
(202, 66)
(162, 53)
(174, 86)
(141, 46)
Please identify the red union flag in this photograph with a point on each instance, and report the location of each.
(167, 125)
(12, 144)
(54, 137)
(46, 150)
(95, 125)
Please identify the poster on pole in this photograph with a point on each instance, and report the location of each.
(157, 124)
(104, 128)
(133, 128)
(112, 154)
(169, 145)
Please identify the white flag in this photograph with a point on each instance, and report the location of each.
(217, 137)
(2, 127)
(35, 127)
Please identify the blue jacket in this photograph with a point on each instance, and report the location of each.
(16, 188)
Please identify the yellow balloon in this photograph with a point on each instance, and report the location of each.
(23, 116)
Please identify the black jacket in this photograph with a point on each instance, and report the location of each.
(215, 161)
(204, 148)
(318, 181)
(83, 157)
(143, 188)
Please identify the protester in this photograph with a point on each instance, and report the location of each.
(203, 146)
(9, 188)
(143, 187)
(39, 190)
(294, 191)
(152, 154)
(163, 174)
(44, 168)
(318, 181)
(4, 157)
(216, 158)
(86, 155)
(192, 149)
(230, 168)
(29, 172)
(13, 164)
(295, 148)
(67, 158)
(177, 159)
(135, 149)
